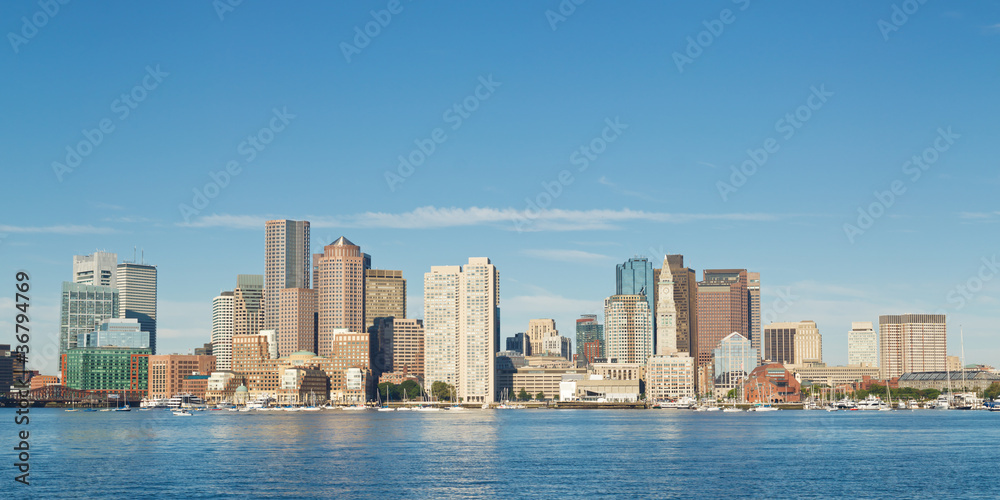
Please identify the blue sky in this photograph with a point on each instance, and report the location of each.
(339, 126)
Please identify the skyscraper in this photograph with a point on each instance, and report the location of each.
(99, 268)
(635, 277)
(862, 344)
(666, 312)
(385, 295)
(792, 343)
(297, 321)
(222, 330)
(538, 331)
(248, 304)
(686, 302)
(136, 285)
(912, 343)
(628, 328)
(808, 344)
(341, 291)
(462, 328)
(286, 263)
(401, 344)
(120, 332)
(588, 329)
(722, 309)
(753, 306)
(516, 343)
(83, 308)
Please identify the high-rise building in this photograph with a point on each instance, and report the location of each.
(120, 332)
(666, 312)
(792, 343)
(538, 331)
(670, 376)
(753, 309)
(385, 295)
(588, 329)
(722, 309)
(286, 263)
(83, 308)
(808, 344)
(556, 345)
(408, 346)
(912, 343)
(734, 359)
(635, 277)
(297, 321)
(462, 328)
(516, 343)
(341, 296)
(136, 285)
(685, 301)
(628, 328)
(862, 344)
(222, 330)
(167, 372)
(99, 268)
(248, 304)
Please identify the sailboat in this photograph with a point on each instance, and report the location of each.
(385, 406)
(122, 408)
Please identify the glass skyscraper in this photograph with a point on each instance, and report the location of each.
(588, 329)
(83, 308)
(635, 277)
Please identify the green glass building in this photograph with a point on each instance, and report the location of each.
(107, 369)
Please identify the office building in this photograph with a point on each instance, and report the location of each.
(666, 312)
(408, 346)
(685, 301)
(204, 350)
(628, 328)
(136, 285)
(248, 304)
(341, 291)
(99, 268)
(298, 319)
(286, 263)
(108, 370)
(516, 343)
(635, 277)
(722, 309)
(753, 310)
(912, 343)
(862, 344)
(7, 374)
(669, 377)
(120, 332)
(792, 343)
(222, 330)
(83, 307)
(167, 372)
(588, 331)
(808, 344)
(556, 345)
(538, 331)
(734, 359)
(385, 295)
(836, 376)
(462, 328)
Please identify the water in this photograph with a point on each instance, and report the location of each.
(509, 454)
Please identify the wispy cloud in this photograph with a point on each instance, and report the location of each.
(129, 220)
(431, 217)
(970, 217)
(575, 256)
(994, 29)
(615, 188)
(63, 229)
(107, 206)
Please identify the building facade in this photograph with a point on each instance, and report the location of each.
(99, 268)
(862, 344)
(83, 307)
(408, 346)
(669, 377)
(286, 263)
(298, 318)
(635, 277)
(686, 302)
(136, 285)
(120, 332)
(441, 324)
(222, 330)
(723, 308)
(538, 331)
(734, 359)
(772, 383)
(912, 343)
(666, 312)
(628, 328)
(589, 330)
(385, 295)
(168, 371)
(516, 343)
(108, 370)
(341, 296)
(248, 304)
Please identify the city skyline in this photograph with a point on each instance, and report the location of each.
(823, 201)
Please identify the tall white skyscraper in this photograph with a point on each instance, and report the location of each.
(136, 285)
(286, 263)
(462, 328)
(99, 268)
(862, 344)
(628, 328)
(222, 330)
(666, 312)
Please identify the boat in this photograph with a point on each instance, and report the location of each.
(732, 409)
(427, 408)
(356, 407)
(182, 413)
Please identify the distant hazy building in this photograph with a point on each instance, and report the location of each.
(83, 307)
(670, 376)
(557, 346)
(589, 330)
(297, 320)
(341, 296)
(666, 312)
(136, 285)
(99, 268)
(462, 328)
(862, 344)
(723, 308)
(628, 328)
(516, 343)
(248, 304)
(385, 295)
(119, 332)
(286, 263)
(734, 359)
(167, 372)
(538, 331)
(222, 330)
(204, 350)
(635, 277)
(912, 343)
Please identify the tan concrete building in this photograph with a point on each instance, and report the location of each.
(670, 377)
(297, 318)
(792, 343)
(862, 344)
(808, 344)
(912, 343)
(341, 297)
(954, 363)
(613, 370)
(833, 376)
(538, 331)
(610, 391)
(408, 346)
(628, 328)
(385, 295)
(286, 263)
(222, 330)
(167, 372)
(545, 380)
(685, 300)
